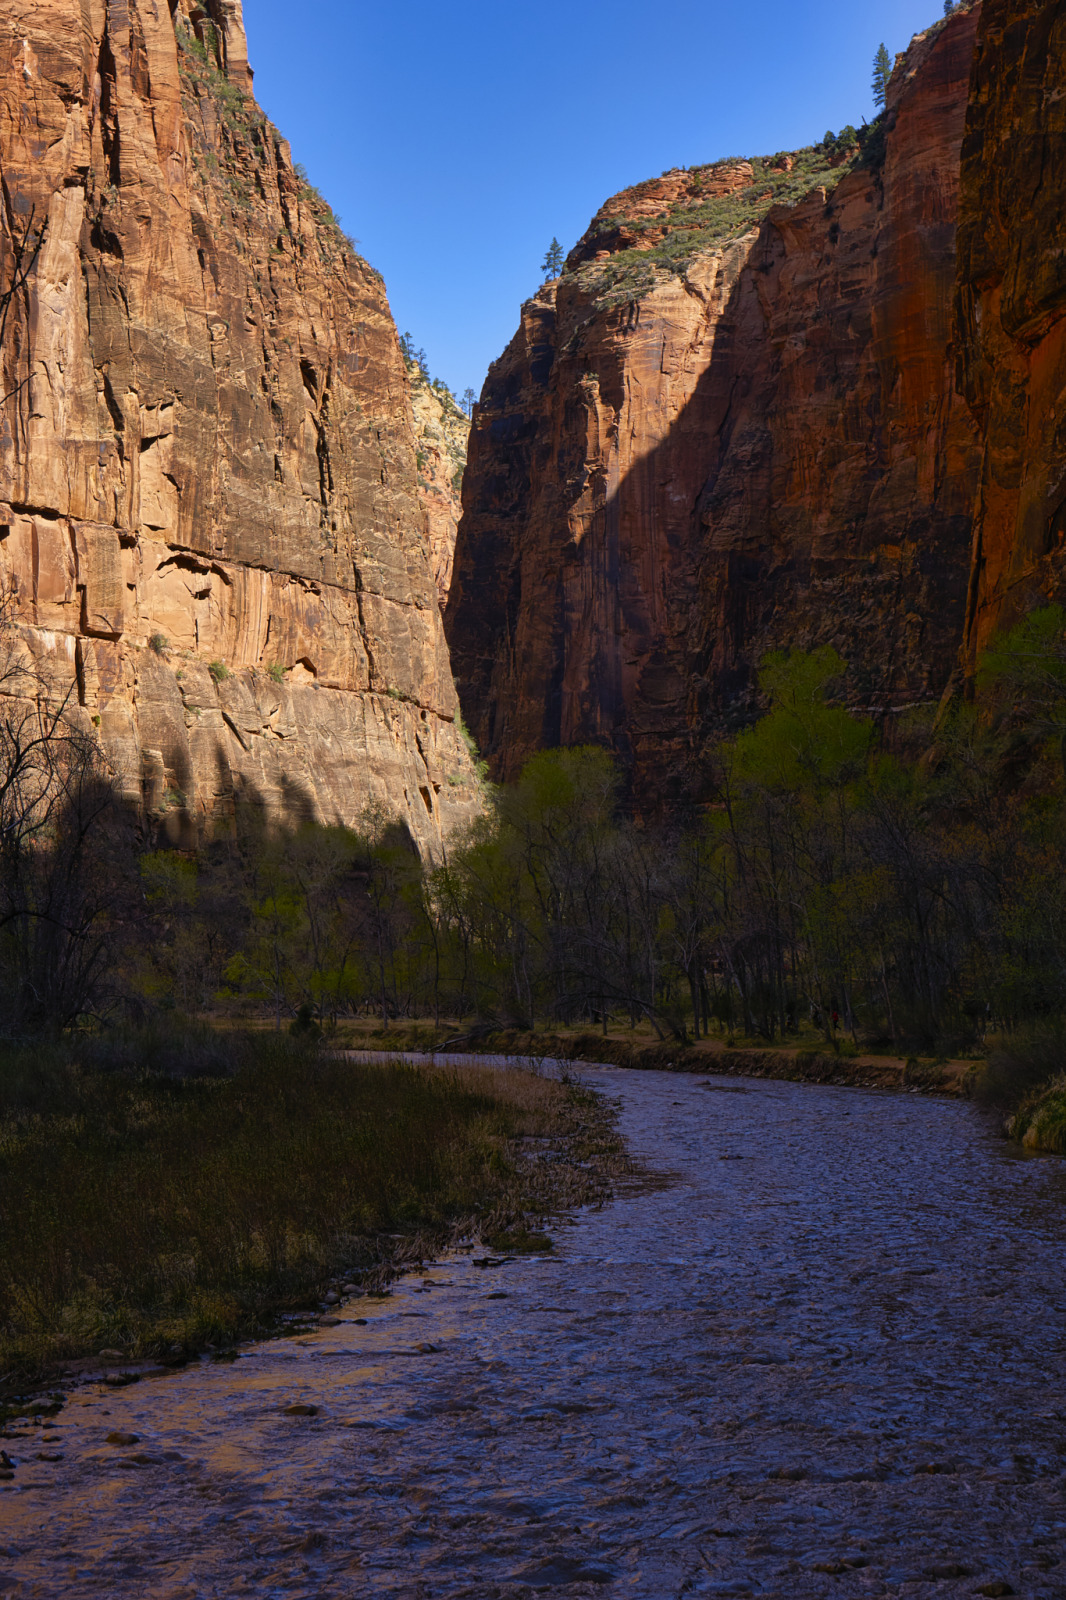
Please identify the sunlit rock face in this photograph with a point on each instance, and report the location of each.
(210, 527)
(1011, 308)
(441, 432)
(678, 466)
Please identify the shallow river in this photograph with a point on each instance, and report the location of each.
(825, 1359)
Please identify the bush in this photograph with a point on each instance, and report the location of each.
(159, 643)
(218, 670)
(1020, 1064)
(1040, 1124)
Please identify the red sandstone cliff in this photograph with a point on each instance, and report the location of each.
(1011, 308)
(728, 427)
(209, 514)
(441, 434)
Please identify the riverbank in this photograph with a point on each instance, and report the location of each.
(810, 1062)
(146, 1216)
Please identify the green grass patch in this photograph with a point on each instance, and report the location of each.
(158, 1194)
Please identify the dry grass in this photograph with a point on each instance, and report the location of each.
(1040, 1121)
(153, 1213)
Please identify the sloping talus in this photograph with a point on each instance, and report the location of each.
(210, 527)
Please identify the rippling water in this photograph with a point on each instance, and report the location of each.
(825, 1359)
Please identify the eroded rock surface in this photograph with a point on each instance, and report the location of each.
(441, 433)
(210, 526)
(730, 426)
(1011, 307)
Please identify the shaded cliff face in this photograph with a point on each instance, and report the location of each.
(728, 427)
(1011, 308)
(210, 527)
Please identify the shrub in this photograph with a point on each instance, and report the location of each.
(277, 672)
(1040, 1124)
(1020, 1064)
(218, 670)
(159, 643)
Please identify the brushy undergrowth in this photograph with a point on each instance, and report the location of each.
(1025, 1076)
(1040, 1122)
(150, 1204)
(1020, 1065)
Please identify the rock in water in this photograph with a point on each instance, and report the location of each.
(728, 427)
(209, 508)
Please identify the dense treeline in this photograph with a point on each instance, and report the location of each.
(909, 897)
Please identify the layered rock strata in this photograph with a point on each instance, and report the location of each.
(1011, 309)
(210, 530)
(441, 434)
(728, 427)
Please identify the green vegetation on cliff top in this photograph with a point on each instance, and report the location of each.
(691, 224)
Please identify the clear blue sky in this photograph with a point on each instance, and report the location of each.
(455, 139)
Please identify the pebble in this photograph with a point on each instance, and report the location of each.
(300, 1411)
(331, 1297)
(116, 1437)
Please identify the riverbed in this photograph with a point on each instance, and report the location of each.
(819, 1352)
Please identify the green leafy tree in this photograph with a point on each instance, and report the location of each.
(882, 73)
(552, 264)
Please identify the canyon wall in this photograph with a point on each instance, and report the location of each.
(729, 426)
(211, 536)
(1011, 309)
(441, 433)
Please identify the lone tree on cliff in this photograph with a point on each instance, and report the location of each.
(467, 402)
(882, 73)
(552, 264)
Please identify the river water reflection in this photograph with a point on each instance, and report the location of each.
(825, 1359)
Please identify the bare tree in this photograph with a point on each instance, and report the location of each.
(57, 879)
